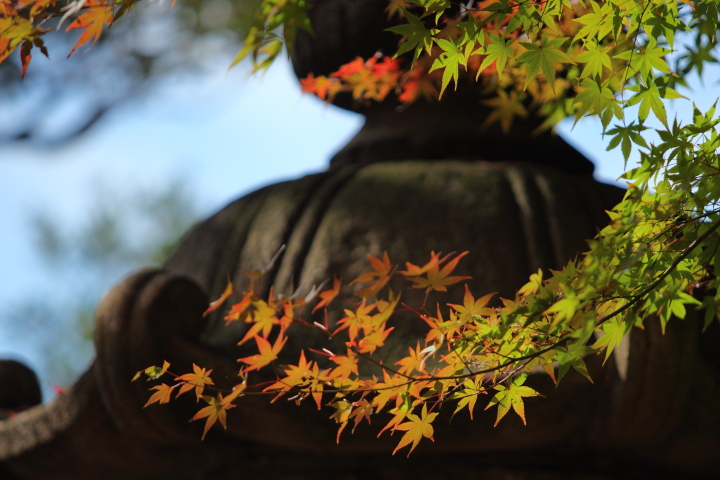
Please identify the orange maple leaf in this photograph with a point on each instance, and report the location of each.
(267, 353)
(196, 380)
(328, 295)
(382, 270)
(414, 361)
(437, 279)
(375, 340)
(415, 271)
(322, 86)
(218, 303)
(388, 66)
(296, 375)
(162, 395)
(354, 67)
(356, 320)
(238, 309)
(347, 364)
(264, 318)
(362, 409)
(217, 408)
(93, 21)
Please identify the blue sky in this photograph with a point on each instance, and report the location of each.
(227, 134)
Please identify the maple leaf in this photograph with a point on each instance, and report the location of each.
(472, 307)
(385, 311)
(396, 7)
(347, 364)
(196, 380)
(25, 57)
(543, 56)
(598, 99)
(498, 52)
(450, 60)
(295, 375)
(416, 86)
(317, 383)
(322, 86)
(613, 333)
(341, 415)
(595, 59)
(39, 6)
(645, 59)
(360, 318)
(382, 270)
(533, 285)
(362, 409)
(437, 279)
(267, 353)
(238, 310)
(328, 295)
(218, 303)
(416, 429)
(512, 396)
(416, 35)
(375, 340)
(414, 361)
(505, 109)
(264, 318)
(92, 21)
(387, 67)
(415, 271)
(215, 411)
(162, 395)
(153, 372)
(14, 31)
(469, 396)
(350, 69)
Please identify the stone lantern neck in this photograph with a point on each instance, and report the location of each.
(455, 129)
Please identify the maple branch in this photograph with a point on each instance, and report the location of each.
(697, 242)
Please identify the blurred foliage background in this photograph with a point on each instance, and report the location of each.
(126, 226)
(61, 98)
(125, 229)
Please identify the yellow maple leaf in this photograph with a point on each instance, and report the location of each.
(416, 428)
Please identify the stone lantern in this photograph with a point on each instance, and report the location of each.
(426, 178)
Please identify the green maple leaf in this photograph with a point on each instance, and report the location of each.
(650, 98)
(497, 51)
(597, 99)
(595, 59)
(614, 333)
(626, 136)
(451, 58)
(597, 24)
(645, 59)
(543, 57)
(418, 37)
(512, 396)
(572, 357)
